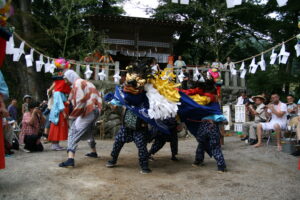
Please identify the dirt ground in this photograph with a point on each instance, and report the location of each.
(252, 174)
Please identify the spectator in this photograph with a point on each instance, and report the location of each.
(12, 110)
(243, 99)
(229, 64)
(278, 111)
(154, 66)
(249, 128)
(179, 63)
(292, 108)
(27, 99)
(32, 121)
(217, 64)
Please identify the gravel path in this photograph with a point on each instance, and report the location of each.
(252, 173)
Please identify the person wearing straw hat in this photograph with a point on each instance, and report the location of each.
(249, 128)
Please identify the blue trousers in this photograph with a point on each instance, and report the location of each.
(161, 139)
(208, 137)
(138, 137)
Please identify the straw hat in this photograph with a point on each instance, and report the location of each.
(259, 96)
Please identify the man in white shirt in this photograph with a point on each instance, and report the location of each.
(278, 111)
(242, 100)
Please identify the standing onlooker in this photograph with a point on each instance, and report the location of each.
(278, 111)
(27, 99)
(12, 110)
(179, 63)
(217, 64)
(229, 64)
(154, 66)
(292, 108)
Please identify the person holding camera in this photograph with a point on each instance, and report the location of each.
(249, 128)
(32, 121)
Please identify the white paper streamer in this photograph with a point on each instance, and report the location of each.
(196, 74)
(159, 106)
(253, 66)
(39, 64)
(262, 63)
(243, 74)
(181, 76)
(117, 77)
(18, 52)
(88, 72)
(48, 66)
(52, 67)
(102, 75)
(273, 57)
(283, 55)
(10, 45)
(242, 66)
(29, 58)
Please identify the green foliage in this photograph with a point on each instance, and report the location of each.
(217, 32)
(64, 30)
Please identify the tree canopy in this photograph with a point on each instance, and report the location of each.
(239, 32)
